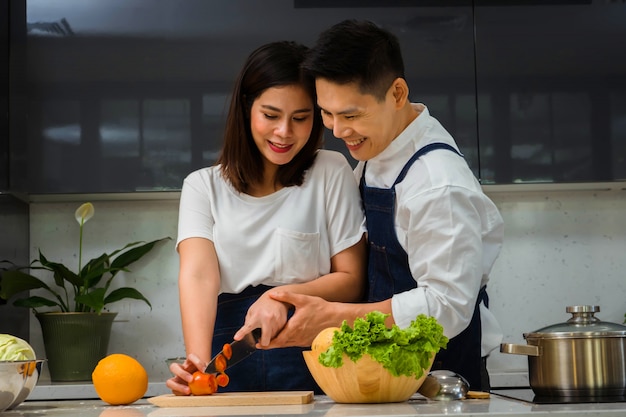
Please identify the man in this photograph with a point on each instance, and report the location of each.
(433, 234)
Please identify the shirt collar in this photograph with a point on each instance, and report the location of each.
(384, 168)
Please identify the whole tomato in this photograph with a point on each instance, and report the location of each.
(203, 384)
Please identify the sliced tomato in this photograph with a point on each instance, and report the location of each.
(220, 363)
(227, 351)
(203, 384)
(222, 379)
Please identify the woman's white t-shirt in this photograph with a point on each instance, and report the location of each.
(286, 237)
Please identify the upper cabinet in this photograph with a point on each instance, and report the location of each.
(551, 87)
(4, 96)
(123, 96)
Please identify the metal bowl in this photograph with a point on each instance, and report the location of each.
(17, 380)
(32, 377)
(179, 359)
(442, 385)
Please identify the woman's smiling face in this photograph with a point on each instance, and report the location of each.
(281, 120)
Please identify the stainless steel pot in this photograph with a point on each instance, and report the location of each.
(583, 357)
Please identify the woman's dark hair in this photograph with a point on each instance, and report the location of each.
(272, 65)
(357, 52)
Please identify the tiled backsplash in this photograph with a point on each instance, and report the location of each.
(561, 248)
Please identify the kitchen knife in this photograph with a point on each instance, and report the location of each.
(241, 349)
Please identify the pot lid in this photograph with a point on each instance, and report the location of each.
(583, 323)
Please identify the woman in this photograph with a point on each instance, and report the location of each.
(275, 211)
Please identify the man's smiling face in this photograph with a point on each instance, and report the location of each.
(366, 125)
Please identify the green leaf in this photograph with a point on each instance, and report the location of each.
(93, 271)
(61, 272)
(400, 351)
(133, 255)
(94, 299)
(6, 262)
(36, 301)
(14, 282)
(125, 292)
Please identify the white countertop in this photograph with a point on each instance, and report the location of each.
(323, 406)
(46, 390)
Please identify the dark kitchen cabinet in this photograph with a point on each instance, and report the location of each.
(4, 96)
(551, 87)
(14, 246)
(131, 96)
(15, 142)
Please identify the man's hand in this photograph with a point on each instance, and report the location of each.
(266, 314)
(312, 315)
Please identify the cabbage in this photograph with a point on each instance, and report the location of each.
(400, 351)
(15, 349)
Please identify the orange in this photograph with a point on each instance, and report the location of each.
(119, 379)
(323, 340)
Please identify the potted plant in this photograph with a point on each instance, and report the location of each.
(76, 332)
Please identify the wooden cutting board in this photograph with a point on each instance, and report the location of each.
(234, 398)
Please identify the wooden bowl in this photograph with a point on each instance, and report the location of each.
(364, 381)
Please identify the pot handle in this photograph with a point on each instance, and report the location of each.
(529, 350)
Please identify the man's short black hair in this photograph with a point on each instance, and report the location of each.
(358, 52)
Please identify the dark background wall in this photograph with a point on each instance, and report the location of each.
(4, 95)
(123, 96)
(14, 242)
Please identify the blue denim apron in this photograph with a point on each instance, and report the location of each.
(281, 369)
(389, 272)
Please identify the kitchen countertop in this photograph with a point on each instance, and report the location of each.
(46, 390)
(323, 406)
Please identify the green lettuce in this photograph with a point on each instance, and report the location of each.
(400, 351)
(15, 349)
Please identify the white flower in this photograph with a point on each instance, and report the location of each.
(84, 213)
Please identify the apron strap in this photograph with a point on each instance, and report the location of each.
(424, 150)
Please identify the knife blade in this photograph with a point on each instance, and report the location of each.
(241, 349)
